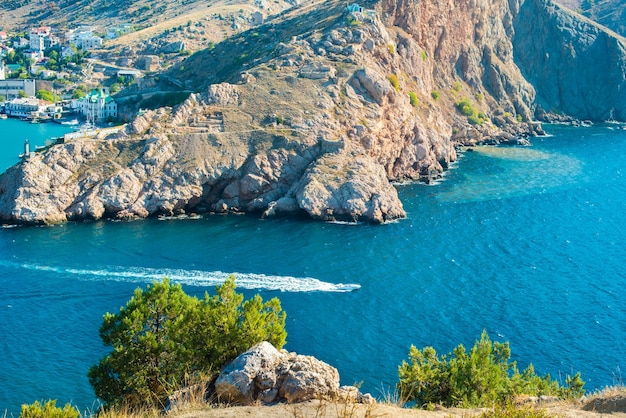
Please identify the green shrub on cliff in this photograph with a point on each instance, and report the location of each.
(474, 120)
(466, 107)
(393, 79)
(481, 377)
(414, 99)
(164, 338)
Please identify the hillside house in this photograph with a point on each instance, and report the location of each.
(34, 54)
(84, 39)
(117, 31)
(4, 50)
(355, 8)
(37, 38)
(22, 43)
(66, 51)
(257, 18)
(129, 75)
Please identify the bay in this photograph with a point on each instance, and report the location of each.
(14, 132)
(524, 242)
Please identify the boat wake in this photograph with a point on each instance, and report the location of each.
(195, 278)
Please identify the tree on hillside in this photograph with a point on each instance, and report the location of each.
(164, 338)
(48, 96)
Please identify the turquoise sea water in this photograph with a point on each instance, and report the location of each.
(527, 243)
(14, 132)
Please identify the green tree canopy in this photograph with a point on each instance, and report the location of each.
(48, 96)
(163, 338)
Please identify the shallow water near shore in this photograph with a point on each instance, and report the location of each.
(526, 243)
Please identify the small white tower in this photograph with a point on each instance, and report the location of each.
(26, 148)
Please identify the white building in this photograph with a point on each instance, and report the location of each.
(38, 37)
(85, 39)
(23, 43)
(10, 89)
(97, 106)
(66, 51)
(23, 107)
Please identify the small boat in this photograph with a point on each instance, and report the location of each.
(73, 122)
(3, 116)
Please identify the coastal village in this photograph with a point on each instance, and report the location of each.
(45, 76)
(71, 76)
(48, 74)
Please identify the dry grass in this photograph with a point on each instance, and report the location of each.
(608, 400)
(344, 408)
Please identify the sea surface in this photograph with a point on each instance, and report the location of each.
(14, 132)
(527, 243)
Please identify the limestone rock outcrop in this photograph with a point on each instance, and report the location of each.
(348, 187)
(264, 374)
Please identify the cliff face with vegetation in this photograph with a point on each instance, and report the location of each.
(316, 112)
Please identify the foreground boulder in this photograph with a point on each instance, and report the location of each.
(264, 374)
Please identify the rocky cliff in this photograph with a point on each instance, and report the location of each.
(577, 67)
(315, 112)
(609, 13)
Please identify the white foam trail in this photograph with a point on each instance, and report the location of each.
(197, 278)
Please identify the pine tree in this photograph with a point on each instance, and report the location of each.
(163, 337)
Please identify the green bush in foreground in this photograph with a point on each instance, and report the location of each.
(414, 99)
(481, 377)
(164, 338)
(48, 410)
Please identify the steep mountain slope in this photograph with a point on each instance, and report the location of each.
(610, 13)
(19, 14)
(577, 67)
